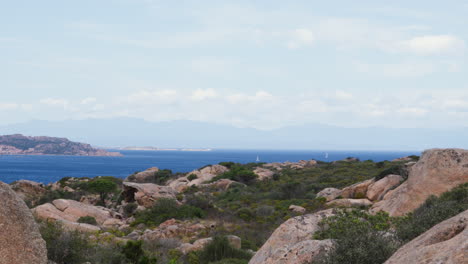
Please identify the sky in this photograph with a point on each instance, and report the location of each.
(257, 64)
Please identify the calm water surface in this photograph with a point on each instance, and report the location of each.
(52, 168)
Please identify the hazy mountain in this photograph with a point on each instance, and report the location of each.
(191, 134)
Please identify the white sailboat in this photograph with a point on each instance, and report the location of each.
(258, 159)
(326, 155)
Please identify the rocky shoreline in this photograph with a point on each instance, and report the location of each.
(23, 145)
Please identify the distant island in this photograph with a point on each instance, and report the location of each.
(18, 144)
(147, 148)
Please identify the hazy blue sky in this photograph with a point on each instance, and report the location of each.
(262, 64)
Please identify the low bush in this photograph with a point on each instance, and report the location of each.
(130, 208)
(165, 209)
(238, 173)
(433, 211)
(396, 169)
(220, 249)
(64, 247)
(87, 220)
(134, 253)
(360, 238)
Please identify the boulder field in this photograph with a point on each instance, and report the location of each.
(437, 171)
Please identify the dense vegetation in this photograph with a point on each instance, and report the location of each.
(250, 209)
(364, 238)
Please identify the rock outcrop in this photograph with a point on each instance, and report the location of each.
(22, 145)
(349, 202)
(20, 240)
(67, 212)
(197, 177)
(146, 176)
(437, 171)
(446, 242)
(264, 174)
(146, 194)
(292, 241)
(377, 190)
(329, 193)
(357, 190)
(29, 191)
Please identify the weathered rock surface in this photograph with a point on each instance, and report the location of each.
(293, 165)
(29, 191)
(146, 176)
(176, 229)
(264, 174)
(20, 240)
(437, 171)
(289, 238)
(297, 209)
(146, 194)
(67, 212)
(446, 242)
(377, 190)
(329, 193)
(349, 202)
(357, 190)
(201, 176)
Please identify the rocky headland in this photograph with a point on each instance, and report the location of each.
(410, 210)
(23, 145)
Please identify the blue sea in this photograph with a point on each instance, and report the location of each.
(47, 169)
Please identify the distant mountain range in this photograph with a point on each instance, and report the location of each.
(18, 144)
(124, 132)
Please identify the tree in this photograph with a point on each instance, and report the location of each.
(102, 187)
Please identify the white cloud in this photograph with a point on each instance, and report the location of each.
(432, 44)
(88, 100)
(343, 95)
(8, 106)
(301, 37)
(55, 102)
(202, 94)
(413, 111)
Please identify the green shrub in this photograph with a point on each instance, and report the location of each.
(87, 220)
(433, 211)
(130, 208)
(238, 173)
(220, 249)
(134, 253)
(245, 214)
(102, 186)
(64, 247)
(360, 238)
(192, 177)
(165, 209)
(397, 170)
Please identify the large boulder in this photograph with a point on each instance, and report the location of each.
(349, 202)
(20, 240)
(292, 241)
(437, 171)
(329, 193)
(67, 212)
(146, 176)
(446, 242)
(377, 190)
(264, 174)
(197, 177)
(357, 190)
(146, 194)
(29, 191)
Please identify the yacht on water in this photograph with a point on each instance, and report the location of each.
(258, 159)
